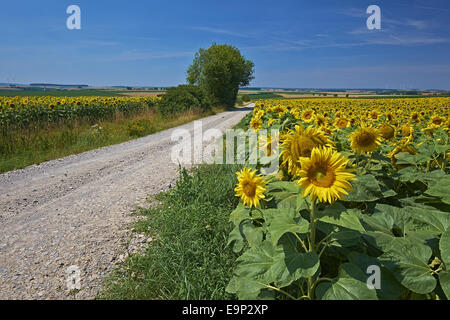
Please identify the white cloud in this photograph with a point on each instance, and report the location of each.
(219, 31)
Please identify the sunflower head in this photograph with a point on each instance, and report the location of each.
(374, 115)
(365, 140)
(325, 176)
(390, 117)
(320, 120)
(386, 131)
(307, 115)
(256, 124)
(341, 123)
(437, 121)
(299, 143)
(250, 187)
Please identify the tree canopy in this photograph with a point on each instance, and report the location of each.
(220, 70)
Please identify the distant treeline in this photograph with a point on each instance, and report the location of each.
(58, 85)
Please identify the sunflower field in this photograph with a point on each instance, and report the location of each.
(37, 129)
(360, 205)
(25, 112)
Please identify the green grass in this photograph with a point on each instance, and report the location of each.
(243, 124)
(189, 258)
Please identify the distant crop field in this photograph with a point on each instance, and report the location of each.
(143, 93)
(265, 95)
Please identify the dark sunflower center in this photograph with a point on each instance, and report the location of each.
(437, 121)
(302, 147)
(387, 132)
(365, 139)
(322, 175)
(307, 115)
(249, 188)
(342, 123)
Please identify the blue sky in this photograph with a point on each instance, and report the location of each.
(301, 44)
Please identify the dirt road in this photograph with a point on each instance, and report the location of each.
(76, 211)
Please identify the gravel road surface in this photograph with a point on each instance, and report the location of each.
(76, 211)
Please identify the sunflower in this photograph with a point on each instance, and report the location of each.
(436, 121)
(256, 124)
(320, 120)
(307, 116)
(260, 114)
(280, 109)
(390, 117)
(325, 175)
(365, 140)
(374, 115)
(250, 187)
(386, 131)
(341, 123)
(299, 143)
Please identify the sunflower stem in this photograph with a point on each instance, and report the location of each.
(312, 239)
(313, 221)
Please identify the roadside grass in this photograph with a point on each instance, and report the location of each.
(189, 258)
(243, 124)
(24, 147)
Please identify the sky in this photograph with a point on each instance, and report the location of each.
(294, 44)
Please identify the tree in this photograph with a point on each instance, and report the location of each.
(220, 70)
